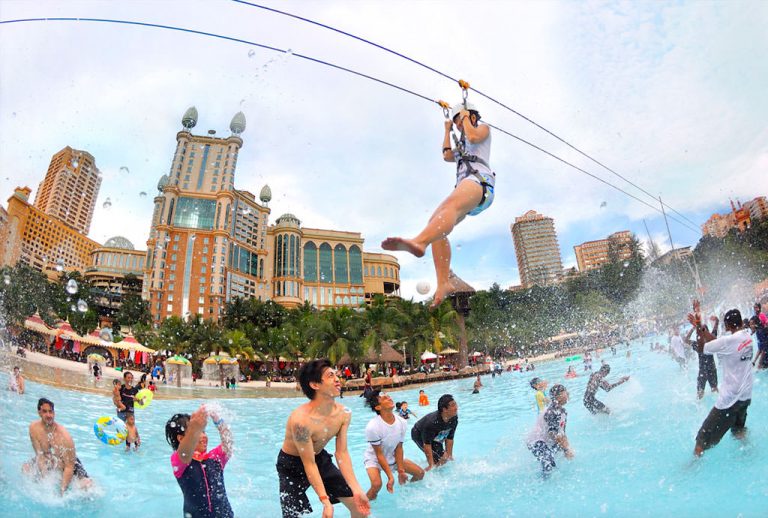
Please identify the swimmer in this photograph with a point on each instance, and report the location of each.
(405, 412)
(385, 434)
(548, 436)
(570, 373)
(127, 396)
(540, 385)
(476, 386)
(472, 194)
(303, 461)
(435, 429)
(678, 348)
(423, 399)
(16, 381)
(596, 381)
(132, 437)
(200, 473)
(54, 450)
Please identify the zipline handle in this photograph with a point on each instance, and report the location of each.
(446, 108)
(464, 91)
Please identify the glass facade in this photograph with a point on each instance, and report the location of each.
(310, 262)
(195, 213)
(355, 265)
(326, 268)
(340, 264)
(245, 261)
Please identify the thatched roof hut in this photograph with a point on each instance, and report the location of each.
(388, 354)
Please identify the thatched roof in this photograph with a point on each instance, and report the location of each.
(388, 354)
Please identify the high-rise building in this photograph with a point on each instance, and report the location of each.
(210, 242)
(740, 217)
(116, 269)
(69, 189)
(591, 255)
(537, 250)
(758, 208)
(43, 242)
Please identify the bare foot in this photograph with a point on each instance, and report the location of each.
(442, 292)
(402, 245)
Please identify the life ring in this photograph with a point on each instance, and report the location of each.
(110, 430)
(143, 398)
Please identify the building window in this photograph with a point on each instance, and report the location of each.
(310, 262)
(355, 265)
(326, 268)
(340, 264)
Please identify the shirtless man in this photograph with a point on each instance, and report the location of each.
(54, 449)
(303, 461)
(16, 383)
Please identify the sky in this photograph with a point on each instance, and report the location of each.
(671, 95)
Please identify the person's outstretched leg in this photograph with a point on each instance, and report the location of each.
(441, 256)
(465, 197)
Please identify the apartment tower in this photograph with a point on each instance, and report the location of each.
(537, 250)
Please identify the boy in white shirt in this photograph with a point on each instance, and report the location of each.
(385, 434)
(734, 353)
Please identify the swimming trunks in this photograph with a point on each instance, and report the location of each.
(294, 483)
(720, 421)
(545, 455)
(79, 469)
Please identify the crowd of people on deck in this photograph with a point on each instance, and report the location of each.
(303, 461)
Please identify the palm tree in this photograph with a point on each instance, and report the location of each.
(443, 326)
(338, 333)
(414, 333)
(381, 321)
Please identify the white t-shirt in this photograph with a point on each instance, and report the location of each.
(678, 347)
(734, 353)
(388, 436)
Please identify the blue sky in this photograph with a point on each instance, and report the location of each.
(669, 94)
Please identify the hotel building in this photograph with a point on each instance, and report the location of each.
(70, 187)
(116, 269)
(210, 242)
(594, 254)
(537, 250)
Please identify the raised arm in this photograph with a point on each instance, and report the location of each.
(195, 427)
(345, 466)
(447, 151)
(227, 441)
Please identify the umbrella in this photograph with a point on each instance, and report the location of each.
(224, 359)
(178, 360)
(476, 354)
(96, 357)
(35, 323)
(428, 355)
(66, 332)
(445, 352)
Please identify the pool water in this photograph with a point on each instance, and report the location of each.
(636, 462)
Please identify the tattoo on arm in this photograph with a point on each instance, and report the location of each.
(301, 433)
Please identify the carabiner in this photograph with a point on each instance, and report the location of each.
(464, 90)
(446, 108)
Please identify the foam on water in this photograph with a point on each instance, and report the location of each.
(636, 462)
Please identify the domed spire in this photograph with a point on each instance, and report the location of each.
(237, 126)
(190, 118)
(163, 182)
(266, 194)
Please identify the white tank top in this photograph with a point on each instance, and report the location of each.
(481, 150)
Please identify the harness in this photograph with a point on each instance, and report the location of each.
(464, 157)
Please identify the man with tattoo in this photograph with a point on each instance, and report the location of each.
(303, 461)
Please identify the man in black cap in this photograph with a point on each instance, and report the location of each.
(596, 381)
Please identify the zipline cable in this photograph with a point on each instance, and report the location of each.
(443, 74)
(332, 65)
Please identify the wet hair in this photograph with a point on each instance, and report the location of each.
(421, 391)
(605, 368)
(444, 402)
(312, 372)
(16, 367)
(43, 401)
(372, 399)
(398, 405)
(534, 382)
(176, 425)
(126, 373)
(556, 390)
(758, 306)
(115, 381)
(733, 318)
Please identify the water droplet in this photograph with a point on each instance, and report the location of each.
(59, 265)
(75, 163)
(167, 238)
(7, 279)
(458, 246)
(82, 307)
(72, 286)
(288, 53)
(251, 53)
(192, 237)
(13, 114)
(626, 263)
(246, 212)
(107, 203)
(73, 308)
(124, 170)
(142, 194)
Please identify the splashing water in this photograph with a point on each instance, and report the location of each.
(107, 203)
(142, 194)
(251, 53)
(72, 286)
(59, 265)
(124, 170)
(82, 306)
(7, 279)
